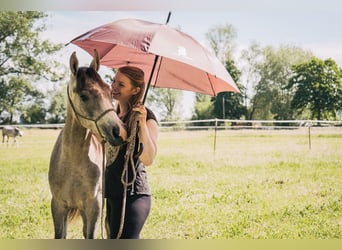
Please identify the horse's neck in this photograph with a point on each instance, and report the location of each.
(75, 134)
(79, 145)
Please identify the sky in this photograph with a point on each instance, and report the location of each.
(311, 25)
(316, 30)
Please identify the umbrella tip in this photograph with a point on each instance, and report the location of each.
(168, 17)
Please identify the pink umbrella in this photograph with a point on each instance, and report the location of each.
(169, 58)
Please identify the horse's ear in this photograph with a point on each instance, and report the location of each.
(73, 63)
(95, 63)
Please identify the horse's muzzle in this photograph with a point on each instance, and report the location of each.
(115, 139)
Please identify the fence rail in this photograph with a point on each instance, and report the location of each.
(219, 124)
(226, 124)
(247, 124)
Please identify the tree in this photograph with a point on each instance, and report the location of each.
(34, 114)
(225, 104)
(204, 108)
(317, 85)
(250, 58)
(15, 95)
(57, 109)
(220, 38)
(24, 59)
(229, 105)
(167, 101)
(272, 98)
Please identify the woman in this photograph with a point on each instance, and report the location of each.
(128, 89)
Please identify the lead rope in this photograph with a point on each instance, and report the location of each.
(103, 143)
(124, 177)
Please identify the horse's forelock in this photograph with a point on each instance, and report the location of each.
(85, 76)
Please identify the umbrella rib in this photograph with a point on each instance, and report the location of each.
(211, 85)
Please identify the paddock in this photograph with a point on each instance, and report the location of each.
(258, 184)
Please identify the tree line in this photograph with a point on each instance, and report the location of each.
(276, 83)
(282, 83)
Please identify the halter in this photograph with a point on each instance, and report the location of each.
(79, 115)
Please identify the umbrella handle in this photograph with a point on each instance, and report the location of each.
(154, 65)
(150, 79)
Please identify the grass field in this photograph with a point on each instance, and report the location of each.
(257, 184)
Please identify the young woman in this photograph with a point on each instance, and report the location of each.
(127, 89)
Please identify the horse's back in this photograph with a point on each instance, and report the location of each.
(9, 131)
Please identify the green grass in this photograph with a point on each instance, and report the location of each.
(257, 184)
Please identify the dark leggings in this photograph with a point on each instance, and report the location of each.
(137, 210)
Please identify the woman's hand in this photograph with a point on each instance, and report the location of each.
(142, 113)
(148, 133)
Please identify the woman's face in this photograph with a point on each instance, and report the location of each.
(122, 88)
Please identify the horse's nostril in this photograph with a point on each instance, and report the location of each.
(116, 131)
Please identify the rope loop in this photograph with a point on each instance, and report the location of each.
(133, 128)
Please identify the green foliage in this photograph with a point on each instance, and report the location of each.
(34, 114)
(220, 38)
(317, 86)
(229, 105)
(58, 106)
(23, 52)
(272, 100)
(203, 108)
(226, 105)
(24, 59)
(166, 101)
(15, 95)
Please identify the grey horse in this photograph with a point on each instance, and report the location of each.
(9, 131)
(75, 173)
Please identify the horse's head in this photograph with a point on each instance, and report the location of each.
(18, 131)
(90, 98)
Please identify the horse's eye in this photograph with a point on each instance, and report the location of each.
(84, 97)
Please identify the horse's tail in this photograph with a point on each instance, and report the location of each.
(73, 214)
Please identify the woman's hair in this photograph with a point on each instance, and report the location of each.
(137, 77)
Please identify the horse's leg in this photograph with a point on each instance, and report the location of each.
(84, 219)
(92, 214)
(60, 219)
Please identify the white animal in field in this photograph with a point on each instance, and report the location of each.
(10, 131)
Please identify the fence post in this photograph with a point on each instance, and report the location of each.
(309, 128)
(215, 135)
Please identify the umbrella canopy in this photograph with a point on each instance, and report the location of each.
(169, 58)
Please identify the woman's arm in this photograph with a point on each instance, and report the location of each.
(148, 135)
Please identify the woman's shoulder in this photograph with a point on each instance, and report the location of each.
(150, 115)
